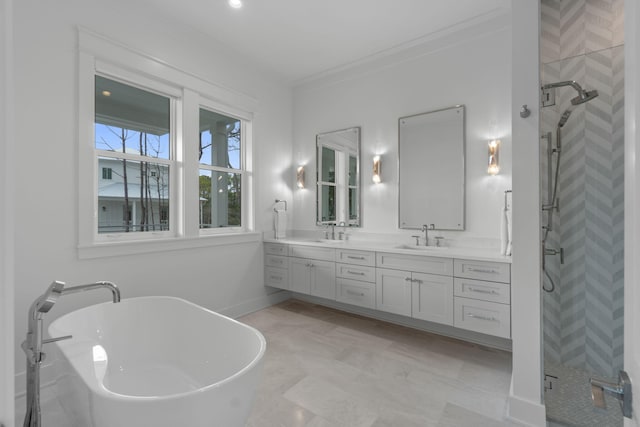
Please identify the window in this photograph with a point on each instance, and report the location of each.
(164, 156)
(220, 165)
(132, 139)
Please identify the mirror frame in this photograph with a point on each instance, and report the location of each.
(347, 150)
(462, 165)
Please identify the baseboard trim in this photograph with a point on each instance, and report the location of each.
(256, 304)
(526, 411)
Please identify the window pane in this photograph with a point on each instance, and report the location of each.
(220, 199)
(131, 120)
(219, 140)
(328, 165)
(353, 203)
(328, 203)
(135, 198)
(353, 171)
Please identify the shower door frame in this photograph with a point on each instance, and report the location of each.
(632, 203)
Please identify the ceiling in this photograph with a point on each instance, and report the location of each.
(300, 39)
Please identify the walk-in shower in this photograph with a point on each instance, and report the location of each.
(552, 204)
(582, 199)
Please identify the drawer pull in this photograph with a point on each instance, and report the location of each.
(484, 270)
(485, 318)
(275, 277)
(357, 273)
(408, 279)
(482, 291)
(358, 294)
(361, 258)
(309, 265)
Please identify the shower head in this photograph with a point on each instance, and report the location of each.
(584, 96)
(564, 118)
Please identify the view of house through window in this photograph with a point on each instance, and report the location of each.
(133, 148)
(221, 170)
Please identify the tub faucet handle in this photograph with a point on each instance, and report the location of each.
(65, 337)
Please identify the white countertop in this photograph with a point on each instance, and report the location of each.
(477, 254)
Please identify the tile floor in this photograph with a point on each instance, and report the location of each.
(324, 367)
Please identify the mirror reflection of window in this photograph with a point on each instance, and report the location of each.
(338, 177)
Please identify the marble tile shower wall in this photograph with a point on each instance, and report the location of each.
(582, 40)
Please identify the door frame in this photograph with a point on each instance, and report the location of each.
(632, 203)
(7, 375)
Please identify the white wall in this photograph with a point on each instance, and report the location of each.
(6, 216)
(525, 400)
(470, 68)
(46, 58)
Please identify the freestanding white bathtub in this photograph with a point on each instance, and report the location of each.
(156, 361)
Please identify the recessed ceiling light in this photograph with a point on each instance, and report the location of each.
(106, 93)
(236, 4)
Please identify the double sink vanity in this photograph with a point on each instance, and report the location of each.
(462, 288)
(462, 292)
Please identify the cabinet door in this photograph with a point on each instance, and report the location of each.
(323, 279)
(393, 291)
(432, 298)
(300, 275)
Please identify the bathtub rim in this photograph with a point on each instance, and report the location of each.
(98, 386)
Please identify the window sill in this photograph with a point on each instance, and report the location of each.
(135, 247)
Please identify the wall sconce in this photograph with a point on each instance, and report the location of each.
(494, 157)
(300, 176)
(376, 170)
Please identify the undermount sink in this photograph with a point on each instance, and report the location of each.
(327, 241)
(421, 248)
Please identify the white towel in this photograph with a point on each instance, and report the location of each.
(505, 225)
(509, 233)
(504, 231)
(280, 224)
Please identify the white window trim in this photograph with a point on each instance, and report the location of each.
(188, 92)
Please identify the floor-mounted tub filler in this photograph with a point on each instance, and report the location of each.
(155, 361)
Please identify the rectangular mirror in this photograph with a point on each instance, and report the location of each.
(431, 169)
(338, 177)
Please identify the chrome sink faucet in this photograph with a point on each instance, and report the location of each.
(426, 229)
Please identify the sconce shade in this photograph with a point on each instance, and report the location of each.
(494, 157)
(376, 170)
(300, 176)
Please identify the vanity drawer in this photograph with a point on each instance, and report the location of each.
(311, 252)
(276, 261)
(356, 257)
(417, 263)
(356, 272)
(357, 293)
(482, 290)
(482, 270)
(276, 277)
(275, 249)
(481, 316)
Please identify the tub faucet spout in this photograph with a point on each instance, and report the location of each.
(34, 341)
(97, 285)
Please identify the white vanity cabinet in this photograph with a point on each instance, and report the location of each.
(276, 265)
(356, 277)
(483, 297)
(468, 294)
(415, 285)
(312, 271)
